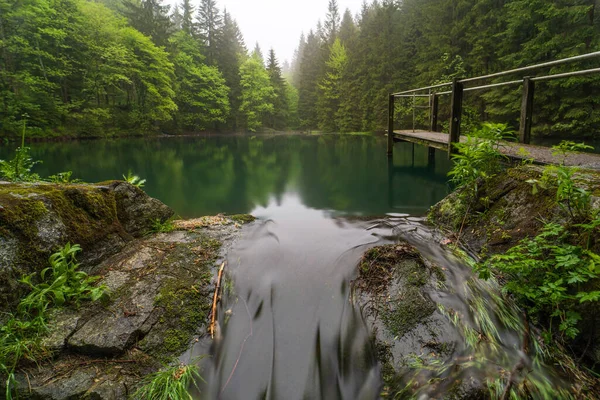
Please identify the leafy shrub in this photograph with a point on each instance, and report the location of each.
(479, 157)
(546, 273)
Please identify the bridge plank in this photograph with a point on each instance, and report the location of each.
(540, 154)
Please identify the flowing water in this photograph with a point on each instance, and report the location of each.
(287, 328)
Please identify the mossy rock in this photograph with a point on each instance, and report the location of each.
(38, 218)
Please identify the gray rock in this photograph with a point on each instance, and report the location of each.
(72, 387)
(51, 231)
(136, 210)
(112, 331)
(63, 322)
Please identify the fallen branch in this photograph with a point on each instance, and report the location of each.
(215, 300)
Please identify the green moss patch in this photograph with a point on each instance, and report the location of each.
(242, 218)
(394, 276)
(184, 298)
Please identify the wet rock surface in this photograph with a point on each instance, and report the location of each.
(37, 218)
(395, 289)
(161, 289)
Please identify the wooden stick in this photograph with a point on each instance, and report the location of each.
(215, 300)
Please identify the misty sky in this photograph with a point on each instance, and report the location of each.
(278, 23)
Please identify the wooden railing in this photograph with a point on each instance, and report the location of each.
(459, 86)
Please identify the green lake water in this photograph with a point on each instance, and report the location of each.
(197, 176)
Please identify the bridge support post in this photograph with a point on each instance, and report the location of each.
(390, 141)
(526, 110)
(435, 102)
(455, 115)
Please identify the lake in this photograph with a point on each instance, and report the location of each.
(339, 174)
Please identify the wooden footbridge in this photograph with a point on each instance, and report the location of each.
(444, 141)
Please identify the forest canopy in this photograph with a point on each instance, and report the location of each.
(84, 68)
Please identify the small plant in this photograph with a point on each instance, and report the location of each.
(170, 383)
(573, 199)
(162, 227)
(134, 179)
(20, 336)
(566, 146)
(479, 157)
(546, 273)
(19, 168)
(63, 177)
(64, 284)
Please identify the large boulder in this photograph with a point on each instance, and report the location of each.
(38, 218)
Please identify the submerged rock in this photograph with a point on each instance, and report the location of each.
(37, 218)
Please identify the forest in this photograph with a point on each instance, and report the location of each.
(80, 68)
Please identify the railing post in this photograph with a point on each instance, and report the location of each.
(455, 115)
(390, 141)
(435, 101)
(526, 110)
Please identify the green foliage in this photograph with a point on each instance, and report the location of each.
(61, 285)
(547, 274)
(330, 89)
(63, 177)
(572, 198)
(162, 227)
(479, 158)
(170, 383)
(200, 91)
(398, 45)
(257, 93)
(19, 168)
(134, 180)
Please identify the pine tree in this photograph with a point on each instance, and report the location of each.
(151, 18)
(332, 22)
(200, 91)
(348, 31)
(187, 20)
(257, 52)
(210, 25)
(231, 52)
(309, 75)
(176, 18)
(277, 119)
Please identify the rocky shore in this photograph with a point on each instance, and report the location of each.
(160, 285)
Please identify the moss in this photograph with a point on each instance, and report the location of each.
(409, 306)
(397, 273)
(242, 218)
(175, 339)
(186, 297)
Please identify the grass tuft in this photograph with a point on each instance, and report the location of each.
(170, 383)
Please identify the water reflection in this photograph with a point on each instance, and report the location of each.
(288, 328)
(201, 176)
